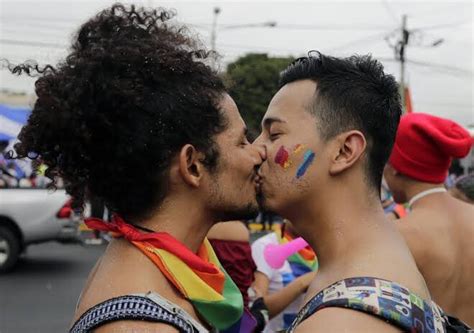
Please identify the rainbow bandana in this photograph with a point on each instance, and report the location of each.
(199, 277)
(301, 262)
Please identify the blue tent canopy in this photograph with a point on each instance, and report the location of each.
(11, 121)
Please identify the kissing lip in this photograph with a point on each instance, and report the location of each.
(259, 175)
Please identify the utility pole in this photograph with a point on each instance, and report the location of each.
(400, 54)
(217, 10)
(399, 45)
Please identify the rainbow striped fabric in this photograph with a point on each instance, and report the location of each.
(199, 277)
(301, 262)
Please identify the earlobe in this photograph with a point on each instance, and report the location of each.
(391, 170)
(351, 147)
(190, 167)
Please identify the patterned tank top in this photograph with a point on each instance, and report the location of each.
(382, 298)
(149, 307)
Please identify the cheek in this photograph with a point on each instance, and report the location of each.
(294, 160)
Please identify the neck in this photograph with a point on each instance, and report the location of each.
(413, 189)
(185, 220)
(288, 228)
(347, 217)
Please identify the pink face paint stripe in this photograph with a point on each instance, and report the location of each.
(282, 156)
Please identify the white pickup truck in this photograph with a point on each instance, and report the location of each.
(28, 216)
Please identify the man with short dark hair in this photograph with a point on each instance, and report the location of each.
(439, 229)
(328, 133)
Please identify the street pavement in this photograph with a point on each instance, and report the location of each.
(40, 294)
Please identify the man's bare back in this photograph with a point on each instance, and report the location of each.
(440, 234)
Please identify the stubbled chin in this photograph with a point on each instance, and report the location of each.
(262, 200)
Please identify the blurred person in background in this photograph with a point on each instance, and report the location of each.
(393, 210)
(439, 229)
(231, 243)
(463, 189)
(135, 117)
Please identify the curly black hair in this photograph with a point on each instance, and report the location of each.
(109, 118)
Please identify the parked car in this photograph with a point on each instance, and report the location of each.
(29, 216)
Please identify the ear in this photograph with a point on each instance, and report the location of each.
(190, 166)
(391, 170)
(351, 146)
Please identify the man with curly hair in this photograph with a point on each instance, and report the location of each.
(134, 116)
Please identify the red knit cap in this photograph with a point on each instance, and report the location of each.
(425, 146)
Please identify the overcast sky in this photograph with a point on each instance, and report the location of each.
(441, 77)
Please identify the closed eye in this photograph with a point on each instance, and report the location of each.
(244, 142)
(274, 136)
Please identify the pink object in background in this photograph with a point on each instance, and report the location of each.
(275, 255)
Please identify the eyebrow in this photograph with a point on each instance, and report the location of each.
(267, 122)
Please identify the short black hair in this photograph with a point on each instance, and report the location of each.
(465, 184)
(352, 93)
(109, 118)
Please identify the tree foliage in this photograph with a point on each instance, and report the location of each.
(253, 80)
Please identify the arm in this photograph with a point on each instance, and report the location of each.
(260, 284)
(230, 230)
(281, 299)
(277, 302)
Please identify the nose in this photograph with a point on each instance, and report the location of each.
(261, 151)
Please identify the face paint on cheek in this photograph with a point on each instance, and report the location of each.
(307, 161)
(281, 157)
(298, 148)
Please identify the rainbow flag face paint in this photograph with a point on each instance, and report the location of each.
(298, 148)
(284, 158)
(307, 160)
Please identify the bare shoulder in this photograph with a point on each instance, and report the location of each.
(231, 230)
(344, 320)
(411, 227)
(416, 237)
(125, 270)
(125, 326)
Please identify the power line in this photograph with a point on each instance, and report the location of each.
(32, 43)
(340, 27)
(69, 21)
(444, 25)
(251, 47)
(36, 33)
(371, 38)
(292, 26)
(440, 66)
(390, 11)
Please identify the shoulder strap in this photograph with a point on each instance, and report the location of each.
(148, 307)
(384, 299)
